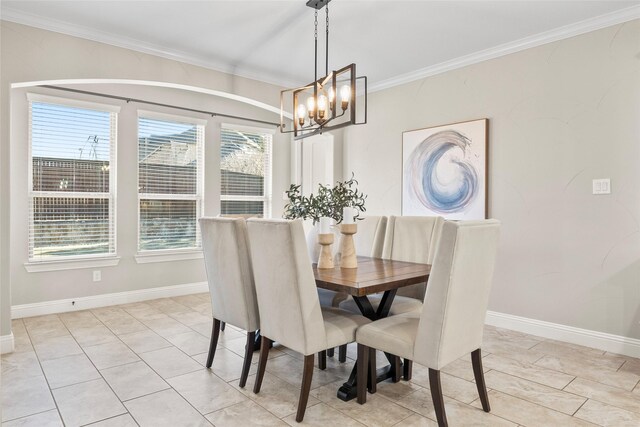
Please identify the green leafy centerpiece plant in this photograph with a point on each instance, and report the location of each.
(342, 203)
(328, 202)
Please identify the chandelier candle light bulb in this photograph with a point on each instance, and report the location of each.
(345, 95)
(302, 112)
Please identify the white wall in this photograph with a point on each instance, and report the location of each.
(559, 116)
(30, 54)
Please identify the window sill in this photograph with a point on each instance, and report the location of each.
(70, 264)
(150, 257)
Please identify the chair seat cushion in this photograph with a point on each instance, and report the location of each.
(399, 305)
(394, 334)
(330, 298)
(341, 326)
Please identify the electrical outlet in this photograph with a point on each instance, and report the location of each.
(602, 186)
(97, 275)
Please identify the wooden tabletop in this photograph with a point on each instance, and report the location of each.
(373, 275)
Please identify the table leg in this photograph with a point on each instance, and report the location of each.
(349, 390)
(256, 345)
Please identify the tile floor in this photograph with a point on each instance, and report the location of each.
(142, 364)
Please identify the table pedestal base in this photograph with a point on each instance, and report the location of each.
(348, 390)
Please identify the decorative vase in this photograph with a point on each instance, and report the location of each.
(347, 247)
(325, 260)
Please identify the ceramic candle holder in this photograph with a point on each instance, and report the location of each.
(325, 260)
(347, 248)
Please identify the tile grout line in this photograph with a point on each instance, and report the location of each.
(55, 402)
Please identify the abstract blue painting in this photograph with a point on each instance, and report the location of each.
(444, 171)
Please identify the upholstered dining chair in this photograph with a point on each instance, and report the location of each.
(290, 311)
(451, 322)
(369, 241)
(233, 296)
(409, 239)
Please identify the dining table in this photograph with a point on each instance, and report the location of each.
(372, 276)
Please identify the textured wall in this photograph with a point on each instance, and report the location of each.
(30, 54)
(559, 116)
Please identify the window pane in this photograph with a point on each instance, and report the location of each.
(167, 156)
(168, 224)
(70, 148)
(243, 160)
(70, 226)
(243, 208)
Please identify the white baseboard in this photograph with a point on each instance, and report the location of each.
(600, 340)
(6, 343)
(84, 303)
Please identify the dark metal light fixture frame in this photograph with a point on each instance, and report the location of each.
(317, 120)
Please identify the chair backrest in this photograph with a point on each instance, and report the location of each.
(369, 240)
(229, 272)
(455, 306)
(289, 307)
(412, 239)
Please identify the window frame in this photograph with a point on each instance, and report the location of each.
(68, 262)
(172, 254)
(267, 198)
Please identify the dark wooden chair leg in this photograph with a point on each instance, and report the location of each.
(215, 332)
(307, 376)
(322, 360)
(478, 373)
(248, 355)
(222, 326)
(407, 369)
(397, 369)
(342, 353)
(265, 345)
(330, 352)
(436, 396)
(362, 369)
(373, 373)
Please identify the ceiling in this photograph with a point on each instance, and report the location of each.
(390, 41)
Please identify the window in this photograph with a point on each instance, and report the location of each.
(71, 178)
(169, 182)
(245, 168)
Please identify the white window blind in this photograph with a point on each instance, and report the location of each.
(71, 180)
(169, 183)
(245, 168)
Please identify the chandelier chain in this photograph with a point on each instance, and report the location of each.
(315, 29)
(326, 71)
(315, 42)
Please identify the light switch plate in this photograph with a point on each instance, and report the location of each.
(602, 186)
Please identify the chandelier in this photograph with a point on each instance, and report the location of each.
(315, 106)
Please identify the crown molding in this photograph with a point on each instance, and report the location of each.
(20, 17)
(588, 25)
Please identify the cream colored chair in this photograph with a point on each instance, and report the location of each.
(327, 298)
(410, 239)
(233, 296)
(290, 311)
(451, 322)
(369, 241)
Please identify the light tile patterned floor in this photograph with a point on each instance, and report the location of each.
(142, 364)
